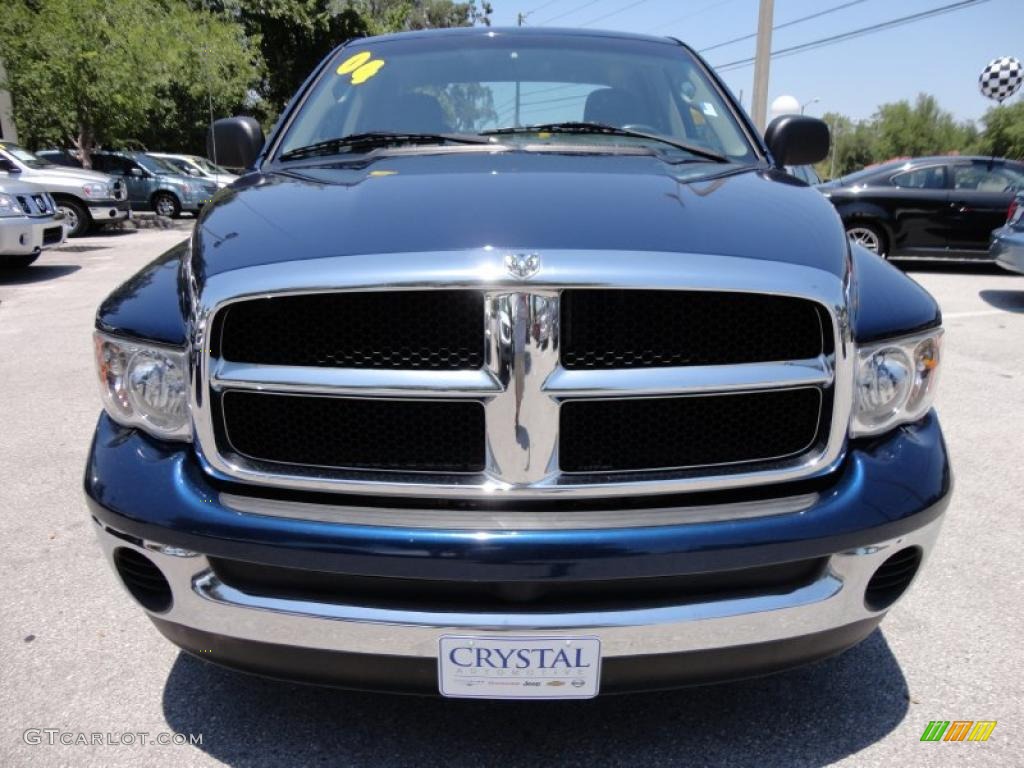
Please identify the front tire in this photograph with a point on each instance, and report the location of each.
(76, 217)
(166, 204)
(17, 262)
(870, 236)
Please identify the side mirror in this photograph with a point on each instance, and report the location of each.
(235, 141)
(7, 165)
(194, 172)
(136, 172)
(797, 140)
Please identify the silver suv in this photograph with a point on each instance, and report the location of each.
(86, 198)
(29, 223)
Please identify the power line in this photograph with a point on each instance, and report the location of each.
(612, 13)
(542, 6)
(698, 12)
(833, 39)
(784, 25)
(570, 11)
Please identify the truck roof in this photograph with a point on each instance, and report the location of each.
(524, 32)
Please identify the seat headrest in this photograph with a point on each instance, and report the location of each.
(613, 106)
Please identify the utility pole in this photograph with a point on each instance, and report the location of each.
(835, 146)
(759, 100)
(205, 53)
(521, 18)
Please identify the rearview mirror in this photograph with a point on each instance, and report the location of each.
(235, 141)
(797, 140)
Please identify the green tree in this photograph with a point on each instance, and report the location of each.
(853, 143)
(88, 73)
(1003, 134)
(922, 129)
(295, 35)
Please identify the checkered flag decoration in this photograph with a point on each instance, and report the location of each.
(1001, 78)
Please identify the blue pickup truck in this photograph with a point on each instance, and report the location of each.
(516, 366)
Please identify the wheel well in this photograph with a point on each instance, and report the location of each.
(169, 193)
(63, 197)
(875, 224)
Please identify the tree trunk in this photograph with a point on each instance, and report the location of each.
(85, 144)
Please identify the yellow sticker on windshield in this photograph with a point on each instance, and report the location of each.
(352, 63)
(362, 66)
(367, 71)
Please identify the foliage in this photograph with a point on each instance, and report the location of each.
(88, 73)
(1003, 134)
(91, 73)
(921, 129)
(900, 129)
(295, 35)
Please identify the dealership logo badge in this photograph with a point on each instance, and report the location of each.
(522, 265)
(958, 730)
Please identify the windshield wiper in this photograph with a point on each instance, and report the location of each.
(609, 130)
(356, 142)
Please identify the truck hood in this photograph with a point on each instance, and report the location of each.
(59, 174)
(13, 185)
(516, 200)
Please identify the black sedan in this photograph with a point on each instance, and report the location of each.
(927, 207)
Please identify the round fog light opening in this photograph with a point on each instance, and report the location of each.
(143, 580)
(892, 579)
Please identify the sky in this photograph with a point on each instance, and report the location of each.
(942, 55)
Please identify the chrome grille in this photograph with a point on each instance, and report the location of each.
(435, 330)
(646, 329)
(531, 403)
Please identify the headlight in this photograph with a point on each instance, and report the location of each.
(896, 382)
(95, 190)
(9, 206)
(144, 385)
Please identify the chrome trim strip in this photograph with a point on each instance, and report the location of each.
(695, 379)
(836, 599)
(482, 520)
(522, 354)
(522, 383)
(375, 382)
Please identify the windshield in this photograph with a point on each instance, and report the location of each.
(24, 156)
(207, 166)
(156, 165)
(480, 84)
(179, 164)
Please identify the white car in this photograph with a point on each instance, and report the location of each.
(30, 223)
(199, 167)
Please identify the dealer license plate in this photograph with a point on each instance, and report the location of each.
(480, 667)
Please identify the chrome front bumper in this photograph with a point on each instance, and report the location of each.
(834, 600)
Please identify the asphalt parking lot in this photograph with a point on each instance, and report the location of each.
(76, 655)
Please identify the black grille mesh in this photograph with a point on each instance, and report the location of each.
(434, 436)
(627, 329)
(670, 432)
(434, 330)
